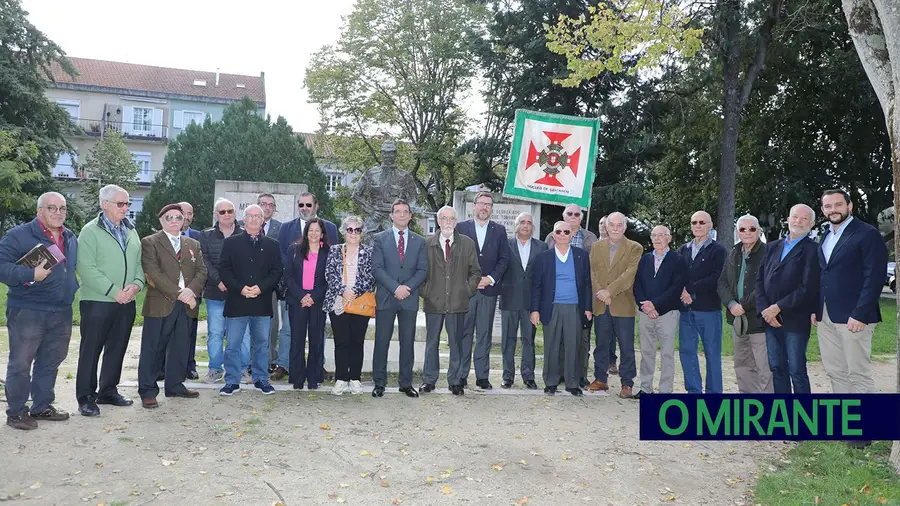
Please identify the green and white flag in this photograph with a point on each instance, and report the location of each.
(552, 158)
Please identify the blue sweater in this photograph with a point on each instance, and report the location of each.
(662, 288)
(566, 292)
(54, 293)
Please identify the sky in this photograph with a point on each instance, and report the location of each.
(272, 36)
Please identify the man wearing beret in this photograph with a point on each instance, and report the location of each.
(176, 274)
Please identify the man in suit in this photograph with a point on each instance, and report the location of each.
(289, 233)
(399, 265)
(701, 311)
(852, 258)
(560, 295)
(584, 239)
(250, 268)
(270, 228)
(515, 302)
(175, 274)
(657, 288)
(787, 292)
(492, 247)
(614, 263)
(453, 277)
(193, 234)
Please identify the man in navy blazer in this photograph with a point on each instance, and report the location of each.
(397, 280)
(561, 301)
(852, 257)
(787, 292)
(193, 234)
(492, 247)
(701, 310)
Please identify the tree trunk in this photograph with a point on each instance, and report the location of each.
(731, 26)
(894, 135)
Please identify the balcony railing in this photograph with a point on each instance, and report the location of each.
(131, 130)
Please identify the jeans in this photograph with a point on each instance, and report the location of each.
(216, 333)
(787, 360)
(259, 348)
(707, 325)
(284, 338)
(42, 338)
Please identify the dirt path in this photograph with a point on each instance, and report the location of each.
(314, 448)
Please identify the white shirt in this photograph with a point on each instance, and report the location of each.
(480, 233)
(444, 244)
(524, 252)
(176, 245)
(831, 241)
(562, 258)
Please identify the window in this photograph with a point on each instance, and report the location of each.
(189, 117)
(143, 120)
(73, 107)
(143, 160)
(64, 166)
(334, 181)
(137, 204)
(431, 226)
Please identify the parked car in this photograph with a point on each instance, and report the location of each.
(890, 272)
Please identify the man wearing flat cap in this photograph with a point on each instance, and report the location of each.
(176, 274)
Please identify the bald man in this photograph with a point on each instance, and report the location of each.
(701, 310)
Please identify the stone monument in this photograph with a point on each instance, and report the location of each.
(244, 193)
(379, 186)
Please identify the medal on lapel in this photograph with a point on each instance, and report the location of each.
(193, 258)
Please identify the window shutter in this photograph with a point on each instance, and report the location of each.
(157, 127)
(178, 120)
(127, 119)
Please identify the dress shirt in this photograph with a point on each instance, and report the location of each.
(524, 252)
(578, 239)
(789, 245)
(829, 243)
(444, 244)
(658, 260)
(405, 238)
(480, 233)
(176, 245)
(118, 231)
(695, 248)
(562, 257)
(613, 247)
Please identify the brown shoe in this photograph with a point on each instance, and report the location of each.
(22, 421)
(187, 393)
(597, 386)
(149, 403)
(278, 374)
(626, 392)
(613, 369)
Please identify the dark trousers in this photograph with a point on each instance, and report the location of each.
(311, 321)
(192, 360)
(105, 327)
(608, 328)
(170, 337)
(514, 323)
(349, 338)
(42, 338)
(787, 360)
(384, 330)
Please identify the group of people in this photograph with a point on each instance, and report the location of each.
(258, 272)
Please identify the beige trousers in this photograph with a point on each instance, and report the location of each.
(751, 364)
(847, 356)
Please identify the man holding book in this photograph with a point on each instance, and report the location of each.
(38, 309)
(111, 275)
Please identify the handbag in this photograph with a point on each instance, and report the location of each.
(364, 305)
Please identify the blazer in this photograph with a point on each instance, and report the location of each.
(161, 269)
(334, 274)
(728, 284)
(390, 272)
(193, 234)
(293, 275)
(663, 288)
(588, 239)
(792, 283)
(243, 264)
(449, 285)
(703, 276)
(291, 232)
(616, 276)
(543, 282)
(851, 282)
(274, 228)
(515, 291)
(494, 257)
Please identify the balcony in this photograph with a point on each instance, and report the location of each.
(84, 127)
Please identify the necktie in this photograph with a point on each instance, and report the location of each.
(446, 250)
(400, 246)
(176, 244)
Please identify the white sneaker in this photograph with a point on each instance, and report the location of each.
(339, 387)
(245, 378)
(214, 376)
(356, 387)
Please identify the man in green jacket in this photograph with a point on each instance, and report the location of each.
(109, 264)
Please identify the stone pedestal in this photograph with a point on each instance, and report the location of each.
(244, 193)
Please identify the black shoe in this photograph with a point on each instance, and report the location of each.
(575, 391)
(531, 385)
(89, 408)
(638, 394)
(378, 392)
(507, 384)
(456, 389)
(858, 444)
(115, 400)
(583, 382)
(298, 387)
(51, 414)
(428, 387)
(550, 390)
(409, 391)
(484, 384)
(192, 375)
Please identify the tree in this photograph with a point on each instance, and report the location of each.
(400, 68)
(16, 170)
(109, 162)
(243, 146)
(875, 29)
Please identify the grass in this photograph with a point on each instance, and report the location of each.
(76, 312)
(829, 473)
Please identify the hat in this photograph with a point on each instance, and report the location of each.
(740, 325)
(168, 208)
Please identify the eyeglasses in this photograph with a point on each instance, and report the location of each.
(658, 236)
(223, 212)
(254, 216)
(572, 214)
(558, 232)
(447, 218)
(743, 229)
(485, 204)
(695, 222)
(401, 212)
(56, 209)
(303, 204)
(268, 204)
(173, 217)
(526, 222)
(120, 204)
(354, 230)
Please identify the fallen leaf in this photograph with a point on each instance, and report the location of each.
(332, 496)
(329, 436)
(344, 485)
(670, 497)
(239, 434)
(687, 445)
(865, 489)
(277, 503)
(429, 480)
(446, 490)
(363, 475)
(365, 453)
(523, 500)
(523, 462)
(882, 500)
(324, 426)
(396, 500)
(36, 485)
(385, 484)
(244, 455)
(167, 462)
(566, 457)
(497, 467)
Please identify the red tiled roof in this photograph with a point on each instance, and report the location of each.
(148, 78)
